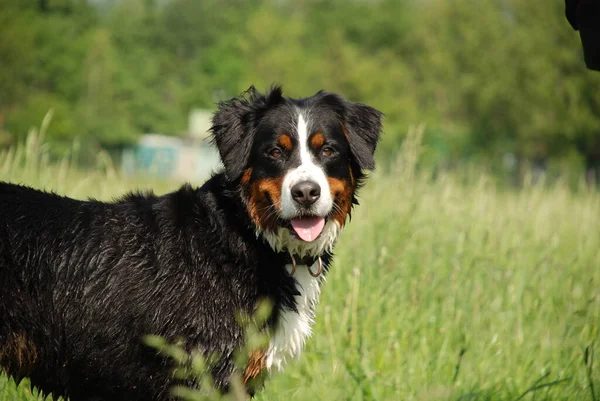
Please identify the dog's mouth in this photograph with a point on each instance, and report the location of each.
(307, 228)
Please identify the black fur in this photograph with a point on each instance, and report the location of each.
(84, 281)
(362, 122)
(237, 122)
(87, 280)
(235, 125)
(364, 126)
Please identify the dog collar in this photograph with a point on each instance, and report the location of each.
(307, 261)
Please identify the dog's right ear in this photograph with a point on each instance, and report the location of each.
(235, 124)
(363, 125)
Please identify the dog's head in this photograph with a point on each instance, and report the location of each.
(299, 162)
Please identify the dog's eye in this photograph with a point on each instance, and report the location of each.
(275, 153)
(327, 151)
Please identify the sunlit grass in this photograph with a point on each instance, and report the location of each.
(439, 290)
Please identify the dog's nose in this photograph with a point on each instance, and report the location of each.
(306, 192)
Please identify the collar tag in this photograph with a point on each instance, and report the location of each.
(308, 261)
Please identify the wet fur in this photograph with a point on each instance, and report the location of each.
(84, 281)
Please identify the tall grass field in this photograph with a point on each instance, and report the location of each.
(440, 289)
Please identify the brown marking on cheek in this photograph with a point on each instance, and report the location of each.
(285, 142)
(317, 140)
(264, 202)
(18, 355)
(256, 364)
(341, 192)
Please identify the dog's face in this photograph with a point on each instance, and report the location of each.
(298, 162)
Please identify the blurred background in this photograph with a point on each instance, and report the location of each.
(499, 86)
(457, 279)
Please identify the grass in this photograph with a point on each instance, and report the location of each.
(440, 290)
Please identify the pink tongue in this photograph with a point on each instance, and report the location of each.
(308, 228)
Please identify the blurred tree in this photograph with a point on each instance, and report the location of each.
(42, 49)
(201, 39)
(32, 111)
(102, 112)
(16, 53)
(462, 69)
(560, 100)
(490, 78)
(150, 102)
(510, 74)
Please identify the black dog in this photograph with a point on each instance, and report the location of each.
(84, 281)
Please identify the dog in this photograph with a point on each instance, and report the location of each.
(84, 281)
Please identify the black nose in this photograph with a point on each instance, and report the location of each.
(306, 192)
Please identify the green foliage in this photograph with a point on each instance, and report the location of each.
(488, 78)
(192, 365)
(35, 108)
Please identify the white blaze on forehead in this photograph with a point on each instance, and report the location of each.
(306, 171)
(305, 157)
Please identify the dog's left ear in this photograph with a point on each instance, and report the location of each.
(363, 128)
(235, 124)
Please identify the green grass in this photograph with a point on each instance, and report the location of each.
(439, 291)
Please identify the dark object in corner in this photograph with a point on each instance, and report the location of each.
(584, 16)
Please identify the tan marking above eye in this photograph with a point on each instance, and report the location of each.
(317, 140)
(285, 142)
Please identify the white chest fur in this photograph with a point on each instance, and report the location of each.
(294, 328)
